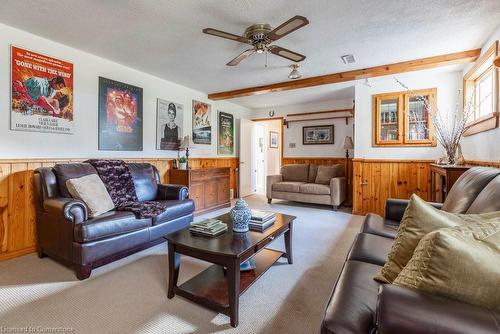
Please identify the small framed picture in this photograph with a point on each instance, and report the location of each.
(317, 135)
(273, 139)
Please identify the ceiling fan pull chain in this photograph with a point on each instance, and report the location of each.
(266, 59)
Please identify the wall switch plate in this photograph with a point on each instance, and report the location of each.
(292, 145)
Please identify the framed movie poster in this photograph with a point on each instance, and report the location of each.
(273, 139)
(120, 116)
(225, 144)
(42, 93)
(317, 135)
(202, 124)
(169, 116)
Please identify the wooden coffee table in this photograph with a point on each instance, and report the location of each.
(220, 286)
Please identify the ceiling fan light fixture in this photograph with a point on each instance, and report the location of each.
(294, 74)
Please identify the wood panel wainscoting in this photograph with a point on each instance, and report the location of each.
(376, 180)
(325, 161)
(17, 211)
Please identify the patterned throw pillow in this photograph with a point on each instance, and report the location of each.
(91, 190)
(419, 219)
(461, 263)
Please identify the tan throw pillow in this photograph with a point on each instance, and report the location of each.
(461, 263)
(326, 173)
(92, 192)
(419, 219)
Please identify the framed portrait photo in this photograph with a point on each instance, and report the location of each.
(318, 135)
(169, 116)
(120, 116)
(273, 139)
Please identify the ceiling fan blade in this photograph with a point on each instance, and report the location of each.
(223, 34)
(285, 53)
(240, 57)
(289, 26)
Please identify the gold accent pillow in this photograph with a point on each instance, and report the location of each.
(91, 190)
(419, 219)
(461, 263)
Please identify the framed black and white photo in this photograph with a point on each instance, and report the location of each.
(169, 116)
(317, 135)
(273, 139)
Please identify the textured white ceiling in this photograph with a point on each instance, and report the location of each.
(164, 37)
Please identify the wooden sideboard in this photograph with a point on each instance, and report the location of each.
(208, 188)
(443, 177)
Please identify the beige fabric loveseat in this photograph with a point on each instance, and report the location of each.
(309, 184)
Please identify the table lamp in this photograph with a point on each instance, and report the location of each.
(186, 143)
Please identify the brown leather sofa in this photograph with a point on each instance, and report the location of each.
(359, 304)
(68, 235)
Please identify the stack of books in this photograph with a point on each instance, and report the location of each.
(261, 220)
(208, 227)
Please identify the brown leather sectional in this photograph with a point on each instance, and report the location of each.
(359, 304)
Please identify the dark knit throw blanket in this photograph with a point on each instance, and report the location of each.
(117, 178)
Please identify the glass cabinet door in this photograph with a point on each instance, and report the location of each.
(417, 118)
(388, 120)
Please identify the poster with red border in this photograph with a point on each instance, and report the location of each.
(42, 92)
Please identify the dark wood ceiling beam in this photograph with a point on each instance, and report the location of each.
(402, 67)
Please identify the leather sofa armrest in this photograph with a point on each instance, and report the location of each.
(172, 191)
(71, 209)
(409, 311)
(270, 180)
(338, 190)
(395, 208)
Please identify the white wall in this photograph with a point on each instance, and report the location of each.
(448, 85)
(87, 69)
(293, 134)
(483, 146)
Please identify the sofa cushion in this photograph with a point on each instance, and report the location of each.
(290, 187)
(461, 263)
(145, 183)
(107, 225)
(326, 173)
(295, 173)
(370, 248)
(378, 225)
(352, 306)
(488, 200)
(467, 187)
(91, 190)
(313, 188)
(67, 171)
(313, 171)
(175, 209)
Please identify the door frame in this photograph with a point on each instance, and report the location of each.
(282, 132)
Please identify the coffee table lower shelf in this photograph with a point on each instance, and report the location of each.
(210, 287)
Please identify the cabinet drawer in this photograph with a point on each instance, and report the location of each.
(264, 242)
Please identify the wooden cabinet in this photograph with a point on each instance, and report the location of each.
(442, 179)
(208, 188)
(403, 119)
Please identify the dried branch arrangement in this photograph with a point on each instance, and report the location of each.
(448, 131)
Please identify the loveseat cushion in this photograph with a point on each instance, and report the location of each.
(313, 188)
(352, 306)
(326, 173)
(67, 171)
(295, 173)
(107, 225)
(145, 183)
(313, 171)
(370, 248)
(378, 225)
(289, 187)
(175, 209)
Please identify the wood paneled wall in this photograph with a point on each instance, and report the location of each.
(325, 161)
(17, 211)
(483, 163)
(377, 180)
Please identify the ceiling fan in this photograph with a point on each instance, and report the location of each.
(260, 36)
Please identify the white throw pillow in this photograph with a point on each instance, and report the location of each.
(91, 190)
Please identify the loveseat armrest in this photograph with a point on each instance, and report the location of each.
(395, 208)
(172, 191)
(409, 311)
(338, 190)
(71, 209)
(270, 180)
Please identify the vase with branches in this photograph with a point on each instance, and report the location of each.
(447, 130)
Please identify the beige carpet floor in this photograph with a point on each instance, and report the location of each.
(129, 296)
